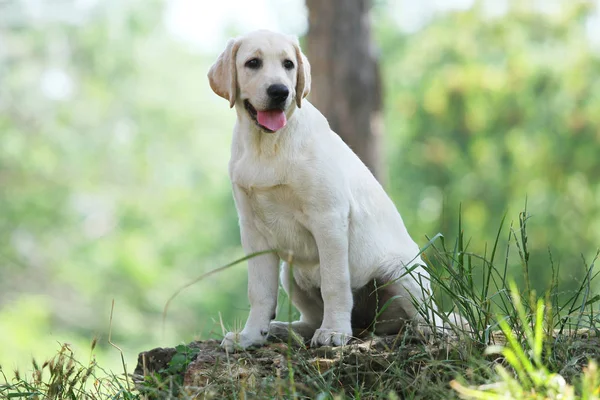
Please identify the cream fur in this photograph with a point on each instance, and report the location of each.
(301, 190)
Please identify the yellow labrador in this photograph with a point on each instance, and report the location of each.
(299, 189)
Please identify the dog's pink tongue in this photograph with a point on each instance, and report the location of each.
(272, 119)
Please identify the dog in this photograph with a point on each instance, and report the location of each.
(347, 258)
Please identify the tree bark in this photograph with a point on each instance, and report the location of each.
(346, 85)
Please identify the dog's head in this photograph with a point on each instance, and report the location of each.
(264, 71)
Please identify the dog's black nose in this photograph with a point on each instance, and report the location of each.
(278, 93)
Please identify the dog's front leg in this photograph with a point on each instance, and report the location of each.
(263, 272)
(331, 236)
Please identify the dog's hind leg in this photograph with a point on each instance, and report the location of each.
(309, 303)
(407, 299)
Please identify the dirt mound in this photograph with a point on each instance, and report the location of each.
(276, 369)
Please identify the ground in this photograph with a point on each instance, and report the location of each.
(379, 367)
(371, 366)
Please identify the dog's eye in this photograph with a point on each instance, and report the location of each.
(253, 63)
(287, 64)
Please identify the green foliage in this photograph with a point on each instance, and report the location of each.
(181, 359)
(108, 183)
(476, 285)
(484, 111)
(168, 382)
(530, 377)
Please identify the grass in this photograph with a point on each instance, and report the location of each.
(64, 377)
(528, 375)
(520, 346)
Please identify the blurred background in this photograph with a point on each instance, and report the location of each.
(114, 150)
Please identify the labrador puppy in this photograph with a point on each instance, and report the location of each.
(300, 189)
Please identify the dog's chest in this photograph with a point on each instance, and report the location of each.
(275, 205)
(248, 173)
(279, 217)
(276, 209)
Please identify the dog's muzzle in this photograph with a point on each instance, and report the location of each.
(273, 117)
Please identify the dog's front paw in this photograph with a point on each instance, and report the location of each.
(330, 337)
(242, 340)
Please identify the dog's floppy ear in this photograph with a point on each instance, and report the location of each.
(223, 75)
(303, 77)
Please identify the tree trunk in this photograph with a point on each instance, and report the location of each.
(345, 74)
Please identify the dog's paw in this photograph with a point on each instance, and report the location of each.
(242, 340)
(330, 337)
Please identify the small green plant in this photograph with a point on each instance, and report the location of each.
(168, 381)
(183, 357)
